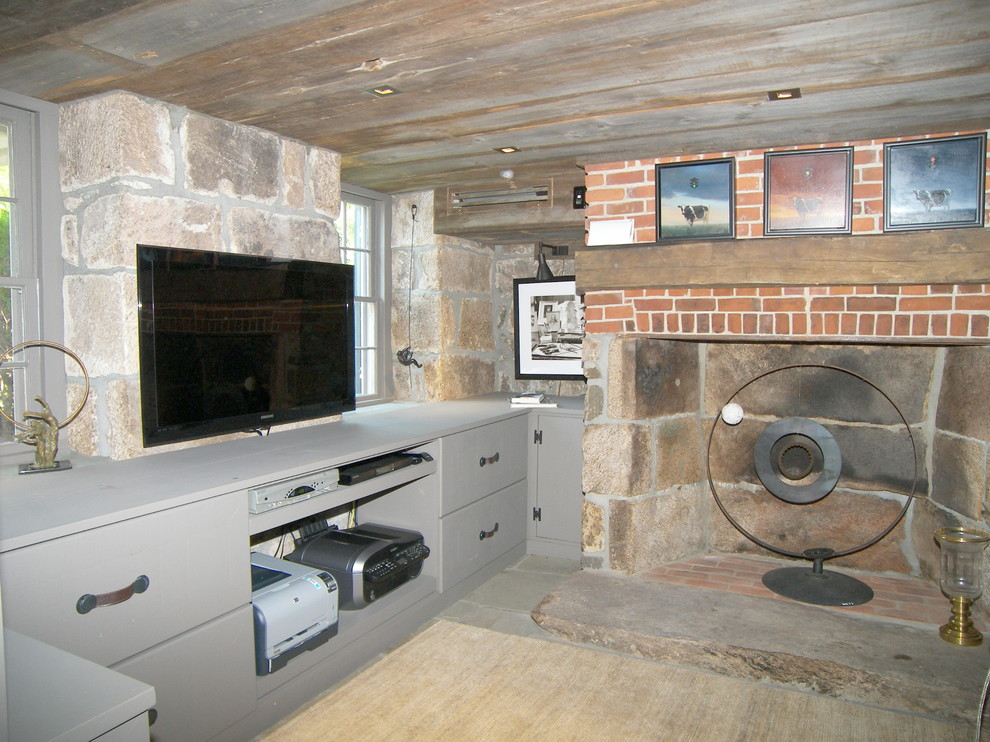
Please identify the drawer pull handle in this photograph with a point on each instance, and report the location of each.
(488, 534)
(88, 602)
(489, 459)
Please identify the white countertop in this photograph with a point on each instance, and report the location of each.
(42, 506)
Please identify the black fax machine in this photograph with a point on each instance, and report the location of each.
(295, 610)
(367, 561)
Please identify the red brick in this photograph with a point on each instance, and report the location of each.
(654, 304)
(902, 325)
(828, 304)
(973, 303)
(959, 325)
(622, 311)
(734, 324)
(746, 167)
(765, 324)
(871, 304)
(979, 326)
(604, 327)
(885, 324)
(739, 304)
(657, 323)
(625, 177)
(868, 190)
(784, 304)
(925, 304)
(598, 298)
(694, 305)
(799, 324)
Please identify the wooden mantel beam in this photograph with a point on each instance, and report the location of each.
(900, 258)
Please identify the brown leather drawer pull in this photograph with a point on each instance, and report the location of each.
(88, 602)
(488, 534)
(489, 459)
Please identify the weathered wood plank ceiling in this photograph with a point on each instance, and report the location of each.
(568, 83)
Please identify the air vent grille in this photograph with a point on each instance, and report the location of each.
(531, 194)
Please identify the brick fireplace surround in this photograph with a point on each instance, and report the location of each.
(651, 351)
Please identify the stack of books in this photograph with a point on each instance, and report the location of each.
(531, 399)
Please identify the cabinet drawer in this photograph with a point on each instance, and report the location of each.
(483, 460)
(204, 680)
(194, 559)
(481, 532)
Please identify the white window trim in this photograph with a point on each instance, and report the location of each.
(42, 261)
(381, 230)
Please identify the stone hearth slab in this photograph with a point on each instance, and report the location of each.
(825, 650)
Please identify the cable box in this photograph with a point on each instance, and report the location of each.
(376, 467)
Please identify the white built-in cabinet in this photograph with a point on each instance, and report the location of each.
(144, 566)
(554, 482)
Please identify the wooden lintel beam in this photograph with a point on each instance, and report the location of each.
(899, 258)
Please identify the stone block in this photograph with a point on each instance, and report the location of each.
(618, 459)
(465, 271)
(594, 403)
(475, 325)
(592, 527)
(406, 231)
(83, 433)
(123, 412)
(965, 384)
(652, 378)
(258, 232)
(114, 135)
(680, 454)
(427, 326)
(591, 357)
(959, 476)
(113, 225)
(324, 181)
(101, 322)
(636, 544)
(841, 521)
(813, 392)
(228, 159)
(458, 376)
(294, 174)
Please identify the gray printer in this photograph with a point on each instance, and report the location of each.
(295, 610)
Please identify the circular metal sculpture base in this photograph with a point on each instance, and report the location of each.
(816, 585)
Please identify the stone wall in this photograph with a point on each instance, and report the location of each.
(136, 170)
(452, 304)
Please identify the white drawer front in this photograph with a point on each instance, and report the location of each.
(194, 559)
(474, 536)
(483, 460)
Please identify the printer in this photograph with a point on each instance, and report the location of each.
(368, 561)
(295, 610)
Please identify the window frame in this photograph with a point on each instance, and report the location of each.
(380, 224)
(38, 245)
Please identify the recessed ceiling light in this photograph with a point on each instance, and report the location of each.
(507, 150)
(787, 94)
(382, 91)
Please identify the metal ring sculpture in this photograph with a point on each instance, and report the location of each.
(42, 461)
(815, 448)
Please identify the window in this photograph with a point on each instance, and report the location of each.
(365, 224)
(30, 276)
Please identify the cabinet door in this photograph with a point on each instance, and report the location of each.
(204, 680)
(483, 460)
(481, 532)
(558, 478)
(194, 559)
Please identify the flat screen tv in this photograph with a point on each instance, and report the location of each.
(231, 342)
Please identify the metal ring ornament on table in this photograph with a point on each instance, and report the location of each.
(797, 495)
(48, 344)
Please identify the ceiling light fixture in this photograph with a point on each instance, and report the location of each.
(786, 94)
(382, 91)
(507, 150)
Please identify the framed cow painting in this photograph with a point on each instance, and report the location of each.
(808, 191)
(696, 200)
(934, 183)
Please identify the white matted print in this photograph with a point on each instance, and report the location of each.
(549, 318)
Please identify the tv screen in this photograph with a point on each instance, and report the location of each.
(231, 342)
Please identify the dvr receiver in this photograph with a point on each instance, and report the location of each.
(367, 562)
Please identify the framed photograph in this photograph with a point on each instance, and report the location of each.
(696, 200)
(808, 191)
(549, 319)
(934, 183)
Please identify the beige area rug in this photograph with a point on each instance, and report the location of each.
(459, 682)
